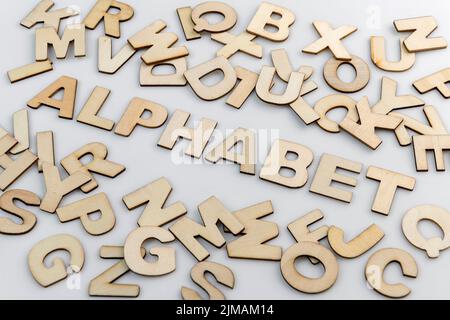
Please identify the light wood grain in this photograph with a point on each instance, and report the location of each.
(379, 261)
(98, 164)
(211, 211)
(438, 80)
(81, 209)
(240, 43)
(229, 16)
(165, 262)
(362, 74)
(45, 148)
(107, 63)
(65, 105)
(435, 125)
(277, 159)
(378, 56)
(419, 39)
(224, 150)
(48, 36)
(7, 204)
(305, 284)
(437, 144)
(154, 196)
(218, 90)
(29, 70)
(133, 116)
(326, 174)
(364, 129)
(159, 44)
(333, 101)
(89, 113)
(221, 274)
(103, 285)
(176, 128)
(101, 11)
(439, 216)
(57, 271)
(331, 38)
(389, 182)
(264, 17)
(147, 78)
(56, 188)
(184, 15)
(356, 247)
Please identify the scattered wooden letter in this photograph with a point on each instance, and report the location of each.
(8, 226)
(277, 159)
(199, 136)
(83, 208)
(378, 262)
(422, 27)
(389, 181)
(154, 195)
(378, 55)
(326, 174)
(437, 80)
(47, 276)
(435, 214)
(166, 255)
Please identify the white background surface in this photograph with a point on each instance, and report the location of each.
(193, 184)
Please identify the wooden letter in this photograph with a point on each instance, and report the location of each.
(422, 27)
(264, 85)
(8, 226)
(41, 14)
(378, 55)
(45, 149)
(208, 93)
(133, 116)
(67, 103)
(331, 102)
(436, 125)
(89, 113)
(83, 208)
(277, 159)
(304, 284)
(251, 244)
(326, 174)
(364, 129)
(244, 88)
(160, 43)
(99, 164)
(211, 211)
(437, 81)
(199, 136)
(330, 74)
(389, 100)
(389, 182)
(112, 20)
(47, 276)
(154, 195)
(378, 262)
(201, 24)
(358, 245)
(57, 188)
(264, 17)
(435, 214)
(12, 169)
(106, 62)
(185, 14)
(49, 36)
(437, 144)
(246, 159)
(103, 286)
(166, 256)
(29, 70)
(221, 273)
(331, 38)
